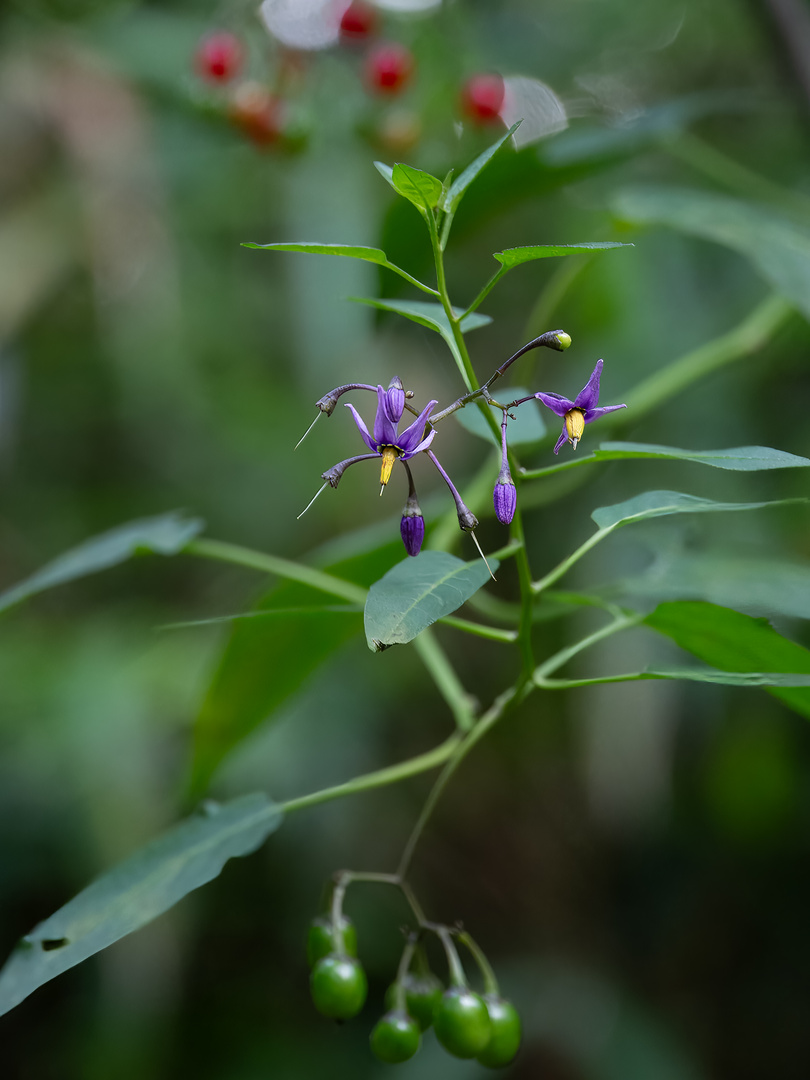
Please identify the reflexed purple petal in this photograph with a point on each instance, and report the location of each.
(395, 400)
(412, 531)
(561, 441)
(588, 397)
(557, 404)
(505, 499)
(385, 432)
(594, 414)
(412, 435)
(367, 439)
(423, 445)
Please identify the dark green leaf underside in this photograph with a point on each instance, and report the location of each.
(167, 534)
(652, 504)
(137, 891)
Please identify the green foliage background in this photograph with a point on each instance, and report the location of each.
(632, 858)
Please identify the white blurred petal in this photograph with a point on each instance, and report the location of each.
(302, 24)
(536, 104)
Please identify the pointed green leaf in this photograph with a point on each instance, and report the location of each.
(777, 245)
(167, 534)
(386, 172)
(417, 592)
(729, 678)
(460, 185)
(652, 504)
(759, 586)
(527, 427)
(737, 458)
(419, 187)
(349, 251)
(515, 256)
(137, 891)
(433, 317)
(734, 642)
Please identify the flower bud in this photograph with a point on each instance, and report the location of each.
(412, 530)
(412, 526)
(505, 498)
(395, 400)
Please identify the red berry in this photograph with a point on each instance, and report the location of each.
(482, 98)
(358, 21)
(257, 113)
(388, 68)
(219, 56)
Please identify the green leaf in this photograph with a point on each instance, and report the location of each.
(419, 187)
(137, 891)
(515, 256)
(528, 427)
(734, 642)
(728, 678)
(417, 592)
(349, 251)
(737, 458)
(460, 185)
(760, 586)
(386, 172)
(652, 504)
(432, 316)
(167, 534)
(777, 245)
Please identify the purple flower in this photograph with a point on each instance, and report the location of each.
(584, 409)
(386, 441)
(505, 493)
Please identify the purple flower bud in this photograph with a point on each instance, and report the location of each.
(395, 400)
(412, 530)
(505, 498)
(412, 526)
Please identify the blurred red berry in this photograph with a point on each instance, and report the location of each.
(257, 113)
(358, 21)
(388, 68)
(219, 56)
(482, 98)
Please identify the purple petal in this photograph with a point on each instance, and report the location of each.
(588, 397)
(385, 433)
(563, 439)
(367, 439)
(594, 414)
(423, 445)
(558, 404)
(395, 400)
(412, 435)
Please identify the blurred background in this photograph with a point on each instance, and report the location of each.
(632, 858)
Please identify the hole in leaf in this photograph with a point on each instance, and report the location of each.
(49, 944)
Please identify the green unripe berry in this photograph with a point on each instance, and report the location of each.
(338, 986)
(505, 1039)
(320, 939)
(422, 994)
(462, 1022)
(395, 1037)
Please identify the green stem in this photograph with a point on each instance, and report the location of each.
(272, 564)
(488, 975)
(730, 174)
(447, 681)
(501, 706)
(553, 663)
(751, 334)
(492, 633)
(381, 778)
(569, 684)
(564, 466)
(566, 564)
(455, 970)
(487, 289)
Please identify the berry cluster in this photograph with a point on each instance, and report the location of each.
(262, 109)
(467, 1024)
